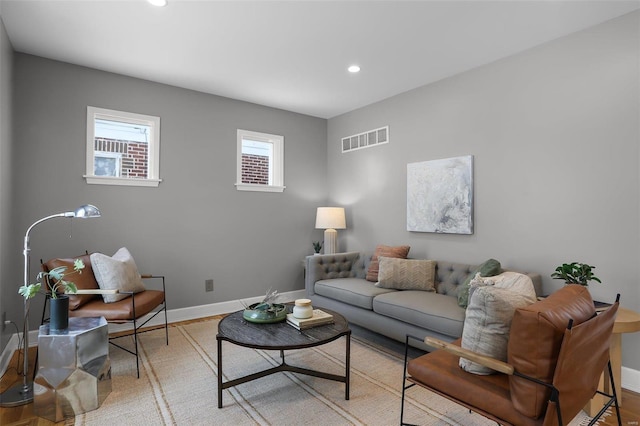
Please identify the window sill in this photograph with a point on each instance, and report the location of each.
(259, 188)
(106, 180)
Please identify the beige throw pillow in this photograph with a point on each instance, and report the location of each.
(492, 304)
(406, 274)
(118, 272)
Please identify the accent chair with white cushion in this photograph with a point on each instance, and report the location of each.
(111, 287)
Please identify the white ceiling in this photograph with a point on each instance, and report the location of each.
(294, 55)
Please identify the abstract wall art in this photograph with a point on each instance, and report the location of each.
(440, 196)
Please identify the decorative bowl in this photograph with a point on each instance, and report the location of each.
(275, 312)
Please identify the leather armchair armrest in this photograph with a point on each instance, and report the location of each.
(94, 291)
(115, 291)
(487, 361)
(151, 277)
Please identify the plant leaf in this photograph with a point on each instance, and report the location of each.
(28, 291)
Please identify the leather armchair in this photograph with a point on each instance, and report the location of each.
(137, 309)
(547, 379)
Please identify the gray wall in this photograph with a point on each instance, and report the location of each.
(554, 133)
(195, 225)
(6, 65)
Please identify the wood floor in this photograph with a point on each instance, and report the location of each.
(23, 415)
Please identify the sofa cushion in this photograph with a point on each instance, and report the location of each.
(487, 269)
(354, 291)
(406, 274)
(399, 252)
(488, 317)
(118, 272)
(425, 309)
(534, 343)
(84, 280)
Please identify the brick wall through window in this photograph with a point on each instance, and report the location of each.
(134, 159)
(255, 169)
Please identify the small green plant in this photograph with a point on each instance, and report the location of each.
(575, 273)
(56, 279)
(317, 246)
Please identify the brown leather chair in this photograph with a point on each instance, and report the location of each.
(552, 370)
(137, 309)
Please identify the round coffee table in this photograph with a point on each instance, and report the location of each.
(281, 336)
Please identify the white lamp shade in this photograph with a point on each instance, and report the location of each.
(330, 218)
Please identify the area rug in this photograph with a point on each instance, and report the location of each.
(178, 386)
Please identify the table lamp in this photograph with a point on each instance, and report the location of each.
(22, 393)
(330, 219)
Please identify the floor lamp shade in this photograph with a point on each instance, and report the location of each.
(330, 219)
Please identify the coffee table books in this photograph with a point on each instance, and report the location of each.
(319, 318)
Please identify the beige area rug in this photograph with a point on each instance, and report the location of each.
(178, 385)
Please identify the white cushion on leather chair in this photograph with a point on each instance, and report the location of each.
(487, 324)
(118, 272)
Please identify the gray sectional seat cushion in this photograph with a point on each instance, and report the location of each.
(436, 312)
(354, 291)
(338, 282)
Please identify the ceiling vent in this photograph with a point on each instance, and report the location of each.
(366, 139)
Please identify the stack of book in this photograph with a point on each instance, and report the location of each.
(319, 318)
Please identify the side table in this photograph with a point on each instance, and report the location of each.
(74, 373)
(627, 321)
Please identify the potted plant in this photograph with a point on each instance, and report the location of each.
(58, 286)
(575, 273)
(317, 246)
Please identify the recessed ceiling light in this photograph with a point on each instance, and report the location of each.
(353, 69)
(159, 3)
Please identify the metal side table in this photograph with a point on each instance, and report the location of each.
(74, 373)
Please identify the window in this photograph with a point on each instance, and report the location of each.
(260, 162)
(122, 148)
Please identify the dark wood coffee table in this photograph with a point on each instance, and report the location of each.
(281, 336)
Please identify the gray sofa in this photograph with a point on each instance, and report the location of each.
(337, 282)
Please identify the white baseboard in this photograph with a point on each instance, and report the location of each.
(630, 377)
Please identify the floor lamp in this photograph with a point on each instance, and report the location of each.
(22, 393)
(330, 219)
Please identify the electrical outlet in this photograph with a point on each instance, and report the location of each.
(208, 285)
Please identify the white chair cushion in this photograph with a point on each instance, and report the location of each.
(118, 272)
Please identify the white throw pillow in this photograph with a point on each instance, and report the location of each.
(487, 323)
(118, 272)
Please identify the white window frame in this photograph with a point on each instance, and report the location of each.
(276, 170)
(153, 153)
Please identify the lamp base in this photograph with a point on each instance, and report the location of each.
(16, 395)
(330, 241)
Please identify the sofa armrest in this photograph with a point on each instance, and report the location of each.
(329, 266)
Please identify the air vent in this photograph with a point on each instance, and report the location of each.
(366, 139)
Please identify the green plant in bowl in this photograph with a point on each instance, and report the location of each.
(266, 311)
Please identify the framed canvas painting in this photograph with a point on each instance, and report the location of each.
(440, 196)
